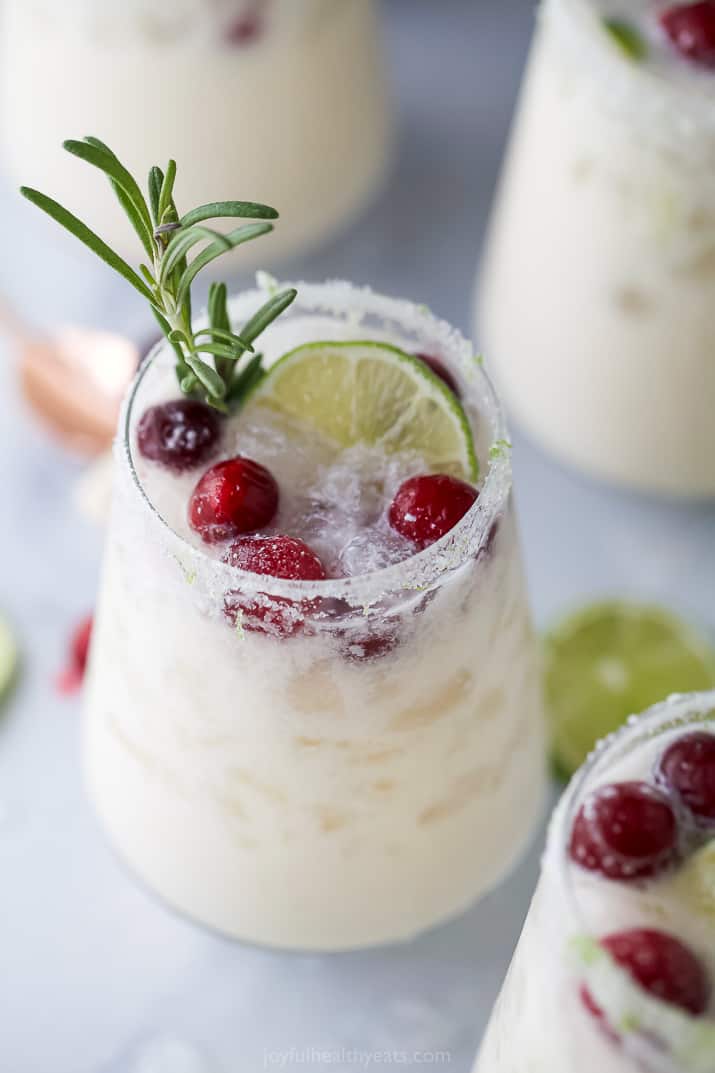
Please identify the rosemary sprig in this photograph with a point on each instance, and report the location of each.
(166, 280)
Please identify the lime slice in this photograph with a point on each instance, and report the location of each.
(8, 658)
(611, 660)
(373, 393)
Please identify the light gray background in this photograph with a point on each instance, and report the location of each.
(92, 970)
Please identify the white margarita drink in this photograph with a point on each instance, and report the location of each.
(262, 95)
(595, 301)
(615, 967)
(325, 763)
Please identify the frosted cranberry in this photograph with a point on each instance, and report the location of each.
(425, 508)
(691, 28)
(279, 557)
(625, 831)
(71, 678)
(180, 435)
(233, 497)
(662, 965)
(687, 768)
(440, 369)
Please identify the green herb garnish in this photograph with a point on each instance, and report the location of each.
(166, 277)
(626, 36)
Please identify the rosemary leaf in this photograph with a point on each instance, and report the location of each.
(246, 379)
(166, 196)
(267, 314)
(154, 184)
(207, 376)
(216, 249)
(223, 336)
(180, 244)
(218, 351)
(95, 152)
(217, 210)
(89, 238)
(218, 307)
(147, 276)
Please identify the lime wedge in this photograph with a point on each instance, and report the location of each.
(8, 658)
(373, 393)
(611, 660)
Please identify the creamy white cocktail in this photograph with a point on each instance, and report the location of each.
(323, 763)
(596, 289)
(615, 968)
(313, 713)
(275, 96)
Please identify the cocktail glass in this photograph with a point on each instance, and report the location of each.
(360, 780)
(269, 96)
(545, 1019)
(595, 293)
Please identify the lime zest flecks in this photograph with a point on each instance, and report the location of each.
(499, 449)
(626, 36)
(189, 575)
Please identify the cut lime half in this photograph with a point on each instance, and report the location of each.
(372, 393)
(8, 659)
(612, 660)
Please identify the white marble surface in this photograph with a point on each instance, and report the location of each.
(95, 976)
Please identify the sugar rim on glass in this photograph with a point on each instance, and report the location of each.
(353, 305)
(678, 711)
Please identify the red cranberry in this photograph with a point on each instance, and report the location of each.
(440, 369)
(233, 497)
(71, 678)
(280, 557)
(691, 28)
(687, 768)
(662, 965)
(625, 831)
(425, 508)
(180, 434)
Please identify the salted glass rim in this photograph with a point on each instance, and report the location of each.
(345, 301)
(679, 710)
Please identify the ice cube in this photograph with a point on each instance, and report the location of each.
(373, 550)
